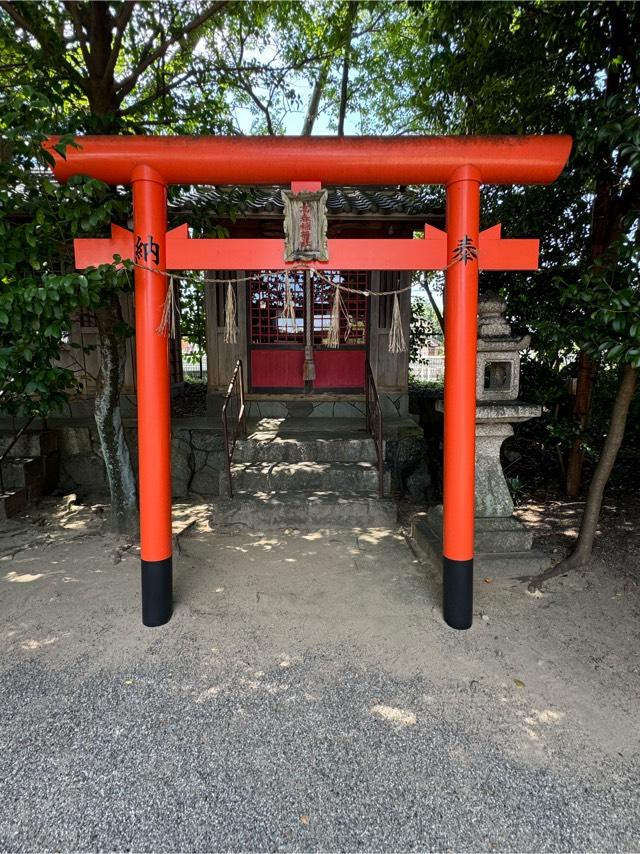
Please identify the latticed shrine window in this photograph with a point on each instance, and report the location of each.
(267, 296)
(267, 299)
(353, 317)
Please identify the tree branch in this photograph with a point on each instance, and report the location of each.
(581, 554)
(42, 39)
(17, 18)
(120, 23)
(74, 13)
(264, 109)
(159, 92)
(314, 101)
(125, 86)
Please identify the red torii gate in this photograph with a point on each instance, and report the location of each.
(149, 164)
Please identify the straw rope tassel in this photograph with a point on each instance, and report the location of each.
(397, 344)
(289, 310)
(230, 331)
(333, 337)
(168, 321)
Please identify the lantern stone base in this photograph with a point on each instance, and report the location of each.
(493, 534)
(490, 565)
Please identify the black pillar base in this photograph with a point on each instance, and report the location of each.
(157, 585)
(457, 602)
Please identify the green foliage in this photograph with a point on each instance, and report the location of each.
(516, 489)
(607, 305)
(39, 290)
(118, 67)
(152, 78)
(541, 67)
(538, 67)
(493, 67)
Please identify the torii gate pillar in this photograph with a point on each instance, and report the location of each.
(460, 335)
(154, 407)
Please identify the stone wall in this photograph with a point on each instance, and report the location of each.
(197, 459)
(406, 458)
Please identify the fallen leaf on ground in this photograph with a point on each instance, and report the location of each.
(518, 683)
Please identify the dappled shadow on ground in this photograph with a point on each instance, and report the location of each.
(319, 586)
(534, 676)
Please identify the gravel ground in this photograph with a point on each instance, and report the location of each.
(305, 696)
(293, 758)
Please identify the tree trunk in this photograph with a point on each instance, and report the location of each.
(344, 83)
(587, 370)
(605, 230)
(115, 450)
(314, 101)
(581, 555)
(104, 107)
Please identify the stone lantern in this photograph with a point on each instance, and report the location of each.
(497, 387)
(502, 543)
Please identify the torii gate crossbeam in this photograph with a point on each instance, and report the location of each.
(462, 164)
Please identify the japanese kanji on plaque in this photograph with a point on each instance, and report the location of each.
(305, 226)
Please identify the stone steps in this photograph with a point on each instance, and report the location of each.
(304, 476)
(305, 473)
(305, 449)
(306, 510)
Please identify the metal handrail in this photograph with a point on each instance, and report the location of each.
(17, 435)
(373, 415)
(233, 399)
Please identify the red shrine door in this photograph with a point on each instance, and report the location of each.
(277, 345)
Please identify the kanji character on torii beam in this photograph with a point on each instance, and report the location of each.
(150, 164)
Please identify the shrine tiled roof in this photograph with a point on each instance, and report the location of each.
(342, 201)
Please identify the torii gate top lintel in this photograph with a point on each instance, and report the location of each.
(331, 160)
(461, 163)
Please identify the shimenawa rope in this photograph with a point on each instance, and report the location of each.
(397, 342)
